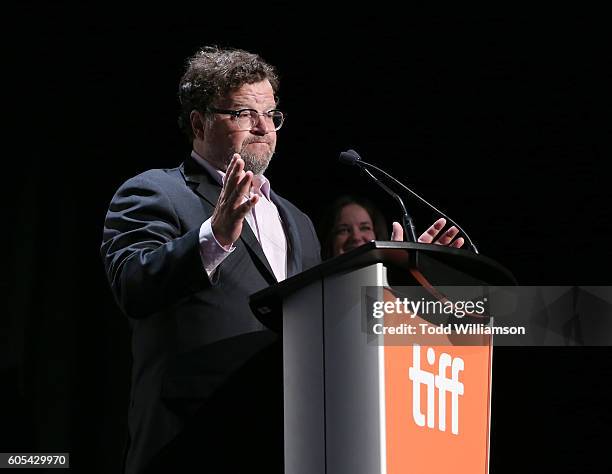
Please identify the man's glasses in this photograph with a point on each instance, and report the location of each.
(247, 119)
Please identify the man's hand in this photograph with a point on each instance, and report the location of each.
(430, 234)
(397, 232)
(234, 203)
(446, 238)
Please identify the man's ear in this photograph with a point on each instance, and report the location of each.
(197, 124)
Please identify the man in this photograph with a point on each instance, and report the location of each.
(183, 250)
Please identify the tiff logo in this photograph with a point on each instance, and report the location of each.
(439, 381)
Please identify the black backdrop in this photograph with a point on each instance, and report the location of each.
(502, 120)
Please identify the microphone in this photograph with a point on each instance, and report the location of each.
(351, 157)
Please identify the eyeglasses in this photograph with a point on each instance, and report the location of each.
(247, 119)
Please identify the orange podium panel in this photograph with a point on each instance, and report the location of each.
(437, 407)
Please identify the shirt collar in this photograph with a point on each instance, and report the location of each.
(216, 173)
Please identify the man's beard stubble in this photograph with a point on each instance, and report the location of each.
(257, 163)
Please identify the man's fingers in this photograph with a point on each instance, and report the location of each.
(243, 188)
(428, 236)
(235, 174)
(246, 206)
(231, 179)
(457, 243)
(397, 233)
(448, 236)
(234, 202)
(235, 192)
(231, 165)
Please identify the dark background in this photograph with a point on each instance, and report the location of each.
(502, 120)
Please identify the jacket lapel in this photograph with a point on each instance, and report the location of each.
(199, 180)
(294, 245)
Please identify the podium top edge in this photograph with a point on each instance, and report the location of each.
(386, 252)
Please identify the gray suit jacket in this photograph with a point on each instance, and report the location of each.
(189, 333)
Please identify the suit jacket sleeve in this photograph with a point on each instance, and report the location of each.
(151, 262)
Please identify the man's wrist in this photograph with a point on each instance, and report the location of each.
(212, 251)
(227, 244)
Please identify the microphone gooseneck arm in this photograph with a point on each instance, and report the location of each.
(407, 222)
(351, 157)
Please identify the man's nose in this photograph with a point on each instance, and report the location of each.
(263, 125)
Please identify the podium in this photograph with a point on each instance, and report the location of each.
(355, 403)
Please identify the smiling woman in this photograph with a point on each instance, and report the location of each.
(352, 221)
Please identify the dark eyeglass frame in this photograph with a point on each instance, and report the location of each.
(236, 115)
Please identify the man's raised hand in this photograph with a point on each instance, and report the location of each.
(446, 238)
(430, 234)
(234, 203)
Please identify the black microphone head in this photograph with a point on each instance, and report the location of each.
(349, 157)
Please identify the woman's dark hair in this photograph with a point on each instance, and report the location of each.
(212, 72)
(329, 221)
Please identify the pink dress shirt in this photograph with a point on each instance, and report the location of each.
(264, 220)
